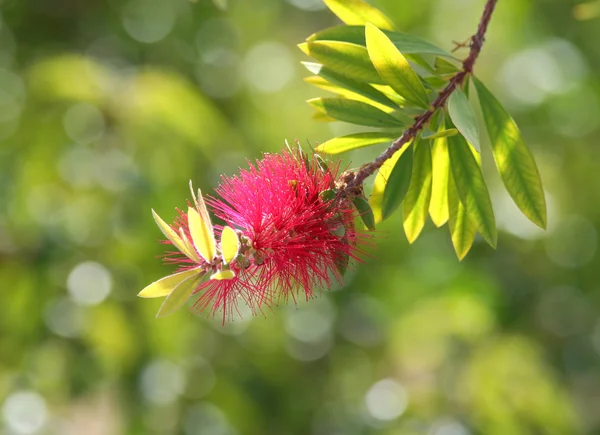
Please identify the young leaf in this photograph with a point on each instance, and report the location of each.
(438, 205)
(397, 184)
(179, 295)
(463, 117)
(230, 244)
(471, 187)
(514, 161)
(358, 12)
(223, 275)
(346, 86)
(189, 246)
(164, 286)
(418, 196)
(365, 212)
(393, 67)
(353, 141)
(354, 112)
(440, 134)
(201, 232)
(172, 235)
(349, 60)
(462, 228)
(407, 44)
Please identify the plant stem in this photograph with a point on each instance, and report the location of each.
(352, 183)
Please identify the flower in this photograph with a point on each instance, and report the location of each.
(288, 232)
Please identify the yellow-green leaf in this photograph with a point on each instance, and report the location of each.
(463, 117)
(164, 286)
(179, 295)
(438, 205)
(376, 198)
(462, 229)
(338, 83)
(349, 60)
(358, 12)
(230, 244)
(189, 246)
(393, 67)
(514, 161)
(471, 187)
(354, 112)
(416, 202)
(202, 235)
(172, 235)
(223, 274)
(397, 184)
(353, 141)
(439, 134)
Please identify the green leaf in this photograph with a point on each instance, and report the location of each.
(343, 85)
(416, 202)
(353, 141)
(230, 244)
(397, 184)
(471, 188)
(393, 67)
(443, 67)
(440, 134)
(376, 198)
(462, 228)
(179, 295)
(341, 262)
(349, 60)
(463, 117)
(438, 205)
(407, 44)
(514, 161)
(164, 286)
(365, 212)
(356, 12)
(354, 112)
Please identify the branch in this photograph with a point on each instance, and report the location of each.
(353, 181)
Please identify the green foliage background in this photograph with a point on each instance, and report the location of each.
(108, 108)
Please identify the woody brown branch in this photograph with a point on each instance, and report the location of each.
(354, 180)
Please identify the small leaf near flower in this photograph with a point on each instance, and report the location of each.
(164, 286)
(230, 244)
(179, 295)
(201, 235)
(365, 212)
(222, 275)
(172, 235)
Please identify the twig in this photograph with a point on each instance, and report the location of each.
(354, 180)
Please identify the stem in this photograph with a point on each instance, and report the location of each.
(421, 121)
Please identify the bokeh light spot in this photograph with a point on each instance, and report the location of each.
(89, 283)
(24, 412)
(386, 400)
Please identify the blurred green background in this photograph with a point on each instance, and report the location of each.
(109, 107)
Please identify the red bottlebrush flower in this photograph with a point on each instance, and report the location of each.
(293, 233)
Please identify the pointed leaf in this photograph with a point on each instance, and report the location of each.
(343, 85)
(443, 66)
(342, 260)
(438, 205)
(164, 286)
(201, 235)
(397, 184)
(462, 229)
(463, 117)
(179, 296)
(354, 112)
(353, 141)
(189, 246)
(376, 198)
(358, 12)
(471, 188)
(416, 202)
(365, 212)
(393, 67)
(223, 275)
(172, 235)
(349, 60)
(407, 44)
(230, 244)
(515, 162)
